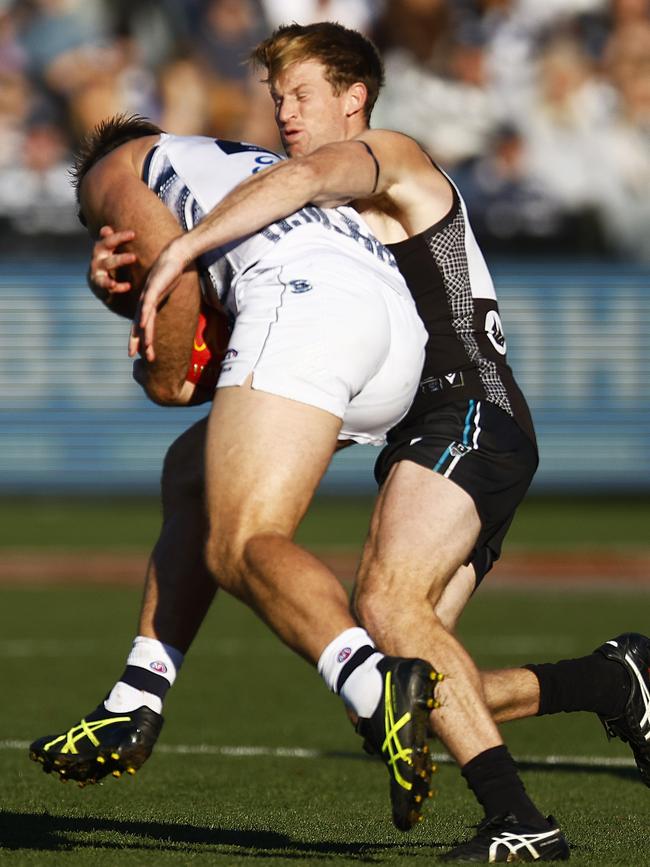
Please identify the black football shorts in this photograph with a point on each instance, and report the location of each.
(479, 447)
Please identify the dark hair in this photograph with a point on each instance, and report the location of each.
(346, 54)
(108, 135)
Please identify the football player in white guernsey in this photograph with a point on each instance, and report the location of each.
(327, 346)
(458, 465)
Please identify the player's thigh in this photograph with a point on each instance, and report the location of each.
(479, 448)
(265, 456)
(423, 528)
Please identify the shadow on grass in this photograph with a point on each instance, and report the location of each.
(46, 832)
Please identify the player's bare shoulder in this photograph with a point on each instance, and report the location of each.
(412, 188)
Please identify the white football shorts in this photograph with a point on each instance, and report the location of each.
(334, 336)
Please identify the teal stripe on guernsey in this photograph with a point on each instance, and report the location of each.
(468, 418)
(443, 458)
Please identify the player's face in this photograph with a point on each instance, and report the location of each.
(307, 111)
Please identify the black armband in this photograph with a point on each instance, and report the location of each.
(375, 161)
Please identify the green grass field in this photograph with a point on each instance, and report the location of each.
(196, 802)
(544, 523)
(257, 764)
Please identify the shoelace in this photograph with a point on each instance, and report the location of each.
(392, 743)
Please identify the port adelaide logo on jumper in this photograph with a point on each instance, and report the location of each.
(494, 330)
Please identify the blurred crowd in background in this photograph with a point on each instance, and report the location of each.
(538, 109)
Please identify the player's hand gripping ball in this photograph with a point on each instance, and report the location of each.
(209, 348)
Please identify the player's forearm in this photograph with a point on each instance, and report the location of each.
(164, 378)
(253, 204)
(332, 175)
(177, 322)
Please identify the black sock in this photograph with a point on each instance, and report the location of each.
(493, 777)
(591, 683)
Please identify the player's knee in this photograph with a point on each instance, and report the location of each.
(223, 559)
(239, 553)
(225, 555)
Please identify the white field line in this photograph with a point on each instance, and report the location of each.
(300, 753)
(27, 648)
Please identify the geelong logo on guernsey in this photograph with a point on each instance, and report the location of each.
(230, 354)
(158, 667)
(344, 654)
(299, 286)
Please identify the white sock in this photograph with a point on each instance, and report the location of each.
(158, 660)
(361, 691)
(124, 698)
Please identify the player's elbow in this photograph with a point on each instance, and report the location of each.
(160, 387)
(167, 393)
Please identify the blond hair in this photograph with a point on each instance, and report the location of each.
(348, 57)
